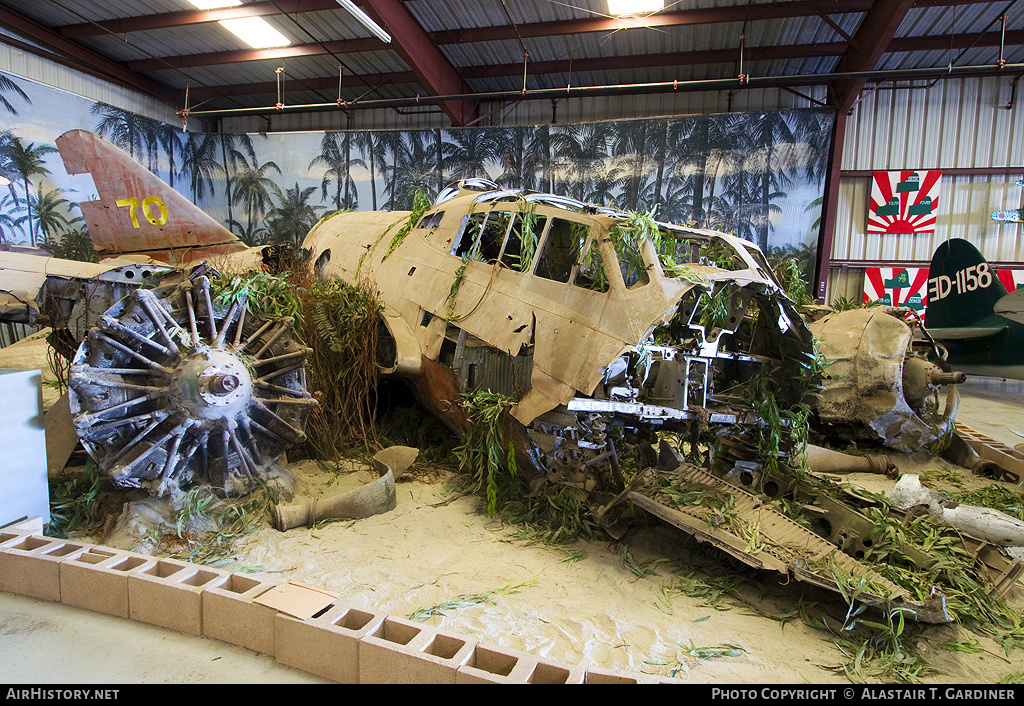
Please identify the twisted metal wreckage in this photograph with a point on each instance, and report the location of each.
(607, 333)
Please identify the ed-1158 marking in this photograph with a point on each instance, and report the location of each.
(968, 279)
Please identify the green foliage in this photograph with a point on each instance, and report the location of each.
(73, 244)
(340, 322)
(420, 203)
(74, 501)
(466, 600)
(997, 497)
(486, 443)
(232, 519)
(845, 304)
(787, 271)
(555, 516)
(689, 656)
(453, 292)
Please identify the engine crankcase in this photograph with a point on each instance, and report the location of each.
(171, 388)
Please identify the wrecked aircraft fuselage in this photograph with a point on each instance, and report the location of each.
(601, 327)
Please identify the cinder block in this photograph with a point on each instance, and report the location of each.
(405, 652)
(30, 565)
(97, 579)
(491, 664)
(229, 613)
(9, 536)
(328, 644)
(31, 525)
(169, 593)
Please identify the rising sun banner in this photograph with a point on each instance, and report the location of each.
(904, 201)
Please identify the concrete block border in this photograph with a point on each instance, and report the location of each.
(343, 643)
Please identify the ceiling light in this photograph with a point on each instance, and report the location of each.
(632, 8)
(215, 4)
(255, 32)
(365, 20)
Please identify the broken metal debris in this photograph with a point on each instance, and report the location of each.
(882, 383)
(983, 523)
(373, 498)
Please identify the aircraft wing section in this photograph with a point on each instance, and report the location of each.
(966, 333)
(1012, 306)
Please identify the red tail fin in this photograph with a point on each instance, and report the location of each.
(136, 211)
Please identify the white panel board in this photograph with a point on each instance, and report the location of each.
(24, 491)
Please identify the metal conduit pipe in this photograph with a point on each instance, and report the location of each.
(611, 89)
(822, 460)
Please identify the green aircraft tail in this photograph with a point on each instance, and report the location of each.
(962, 287)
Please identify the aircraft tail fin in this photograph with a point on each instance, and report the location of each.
(137, 213)
(962, 287)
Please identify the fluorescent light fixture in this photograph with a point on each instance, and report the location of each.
(632, 8)
(365, 20)
(215, 4)
(255, 32)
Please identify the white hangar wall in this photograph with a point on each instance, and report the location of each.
(969, 128)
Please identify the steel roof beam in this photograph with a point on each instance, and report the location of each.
(75, 55)
(305, 84)
(874, 35)
(794, 51)
(432, 67)
(166, 20)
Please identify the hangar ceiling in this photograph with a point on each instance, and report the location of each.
(467, 55)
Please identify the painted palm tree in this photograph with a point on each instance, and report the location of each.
(583, 164)
(252, 188)
(293, 216)
(770, 155)
(516, 149)
(51, 213)
(75, 244)
(7, 85)
(235, 150)
(414, 169)
(471, 149)
(123, 128)
(199, 164)
(391, 145)
(9, 221)
(369, 146)
(336, 156)
(635, 150)
(167, 138)
(26, 161)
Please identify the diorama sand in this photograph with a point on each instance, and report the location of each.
(586, 607)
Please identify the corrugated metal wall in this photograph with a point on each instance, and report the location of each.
(38, 69)
(960, 123)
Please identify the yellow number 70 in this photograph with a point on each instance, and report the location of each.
(147, 203)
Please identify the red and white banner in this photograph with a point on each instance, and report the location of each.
(904, 202)
(908, 286)
(897, 286)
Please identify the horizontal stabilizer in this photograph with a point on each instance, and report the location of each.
(136, 211)
(1012, 306)
(965, 333)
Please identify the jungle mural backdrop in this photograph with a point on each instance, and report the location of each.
(759, 175)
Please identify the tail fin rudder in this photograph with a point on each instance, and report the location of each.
(962, 287)
(137, 212)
